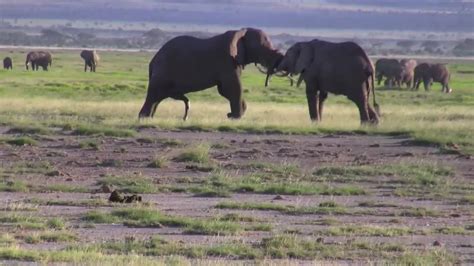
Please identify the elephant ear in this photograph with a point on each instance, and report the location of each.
(236, 47)
(305, 57)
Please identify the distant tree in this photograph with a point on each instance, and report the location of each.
(154, 33)
(407, 44)
(464, 48)
(85, 36)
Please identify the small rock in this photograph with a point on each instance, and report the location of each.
(69, 179)
(54, 173)
(278, 197)
(115, 197)
(319, 240)
(233, 141)
(455, 215)
(244, 141)
(437, 243)
(376, 145)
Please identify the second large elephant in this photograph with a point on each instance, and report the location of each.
(38, 59)
(91, 59)
(389, 68)
(339, 68)
(429, 73)
(188, 64)
(408, 71)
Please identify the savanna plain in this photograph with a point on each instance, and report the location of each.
(270, 188)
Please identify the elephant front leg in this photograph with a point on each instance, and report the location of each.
(322, 97)
(231, 89)
(313, 103)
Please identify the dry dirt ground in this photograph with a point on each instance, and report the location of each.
(64, 159)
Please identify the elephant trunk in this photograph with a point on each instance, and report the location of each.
(271, 70)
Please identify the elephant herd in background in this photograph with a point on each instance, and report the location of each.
(188, 64)
(408, 72)
(42, 59)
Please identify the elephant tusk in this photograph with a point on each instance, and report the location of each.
(262, 70)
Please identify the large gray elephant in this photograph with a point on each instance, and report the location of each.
(39, 59)
(408, 71)
(188, 64)
(429, 73)
(91, 59)
(339, 68)
(7, 63)
(389, 68)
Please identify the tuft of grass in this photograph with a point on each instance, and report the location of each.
(419, 212)
(89, 144)
(159, 162)
(369, 231)
(213, 227)
(56, 223)
(25, 129)
(54, 236)
(235, 217)
(292, 210)
(19, 206)
(22, 141)
(13, 186)
(23, 222)
(196, 154)
(130, 184)
(425, 174)
(103, 131)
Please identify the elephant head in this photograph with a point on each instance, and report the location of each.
(296, 60)
(30, 58)
(254, 46)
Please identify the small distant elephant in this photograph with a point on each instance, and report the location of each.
(39, 59)
(391, 69)
(91, 59)
(339, 68)
(429, 73)
(408, 74)
(188, 64)
(7, 63)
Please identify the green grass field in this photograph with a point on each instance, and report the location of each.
(111, 98)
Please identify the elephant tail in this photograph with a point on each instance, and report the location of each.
(376, 105)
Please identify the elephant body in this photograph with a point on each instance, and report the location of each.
(391, 69)
(188, 64)
(408, 74)
(7, 63)
(91, 59)
(339, 68)
(38, 59)
(429, 73)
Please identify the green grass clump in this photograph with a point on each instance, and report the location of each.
(419, 212)
(130, 184)
(288, 209)
(426, 174)
(196, 154)
(56, 223)
(54, 236)
(22, 141)
(89, 144)
(103, 131)
(369, 231)
(13, 186)
(40, 130)
(24, 222)
(213, 227)
(159, 162)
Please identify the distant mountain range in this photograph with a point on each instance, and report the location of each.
(414, 15)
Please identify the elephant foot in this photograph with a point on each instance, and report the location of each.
(233, 116)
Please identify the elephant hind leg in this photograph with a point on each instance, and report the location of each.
(323, 95)
(360, 98)
(186, 104)
(232, 91)
(154, 96)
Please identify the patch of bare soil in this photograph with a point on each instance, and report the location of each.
(63, 159)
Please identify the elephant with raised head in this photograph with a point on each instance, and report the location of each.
(188, 64)
(91, 59)
(389, 68)
(38, 59)
(408, 74)
(7, 63)
(339, 68)
(429, 73)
